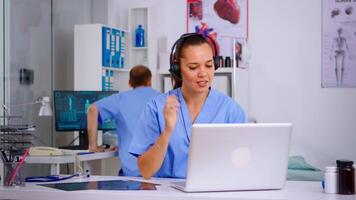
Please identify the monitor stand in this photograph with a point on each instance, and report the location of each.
(83, 142)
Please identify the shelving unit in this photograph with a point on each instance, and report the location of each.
(139, 55)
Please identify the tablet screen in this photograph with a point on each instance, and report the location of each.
(103, 185)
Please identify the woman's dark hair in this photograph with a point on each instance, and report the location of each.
(140, 75)
(182, 44)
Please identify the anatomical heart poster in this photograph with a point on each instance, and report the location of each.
(339, 43)
(225, 21)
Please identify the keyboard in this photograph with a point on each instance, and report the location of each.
(74, 147)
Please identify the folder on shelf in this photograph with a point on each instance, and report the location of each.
(103, 79)
(122, 50)
(107, 80)
(115, 48)
(106, 42)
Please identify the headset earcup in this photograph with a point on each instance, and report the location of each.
(216, 62)
(175, 70)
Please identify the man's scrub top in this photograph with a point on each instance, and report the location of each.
(218, 108)
(125, 108)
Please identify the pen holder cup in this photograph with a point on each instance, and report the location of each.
(13, 174)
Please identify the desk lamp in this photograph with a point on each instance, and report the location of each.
(45, 109)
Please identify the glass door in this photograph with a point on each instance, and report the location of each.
(27, 62)
(2, 88)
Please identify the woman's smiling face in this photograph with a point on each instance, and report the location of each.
(197, 68)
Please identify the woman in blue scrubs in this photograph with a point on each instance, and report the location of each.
(162, 136)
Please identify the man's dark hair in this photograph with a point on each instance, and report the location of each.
(140, 75)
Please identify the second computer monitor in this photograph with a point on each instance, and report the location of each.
(71, 109)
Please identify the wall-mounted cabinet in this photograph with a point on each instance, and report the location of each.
(139, 54)
(99, 56)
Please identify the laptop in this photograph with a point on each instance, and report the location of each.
(230, 157)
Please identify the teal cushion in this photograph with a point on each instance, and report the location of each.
(298, 162)
(304, 175)
(300, 170)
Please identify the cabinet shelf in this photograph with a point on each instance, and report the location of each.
(218, 71)
(117, 69)
(138, 48)
(139, 55)
(163, 71)
(224, 70)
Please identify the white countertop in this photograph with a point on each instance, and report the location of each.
(292, 190)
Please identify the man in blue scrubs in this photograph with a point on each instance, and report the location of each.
(162, 138)
(125, 108)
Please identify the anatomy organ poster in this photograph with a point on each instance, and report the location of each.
(339, 43)
(223, 20)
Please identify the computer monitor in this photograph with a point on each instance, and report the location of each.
(71, 108)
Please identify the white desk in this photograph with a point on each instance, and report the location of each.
(55, 161)
(293, 190)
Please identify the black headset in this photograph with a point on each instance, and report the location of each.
(174, 56)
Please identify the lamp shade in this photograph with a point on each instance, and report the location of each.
(45, 109)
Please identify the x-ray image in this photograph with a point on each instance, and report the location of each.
(338, 44)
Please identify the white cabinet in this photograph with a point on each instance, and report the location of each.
(99, 56)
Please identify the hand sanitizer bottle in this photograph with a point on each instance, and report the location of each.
(140, 36)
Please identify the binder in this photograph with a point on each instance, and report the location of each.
(110, 85)
(106, 42)
(115, 48)
(122, 50)
(107, 80)
(103, 83)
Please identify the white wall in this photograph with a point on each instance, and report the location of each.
(285, 73)
(66, 13)
(285, 37)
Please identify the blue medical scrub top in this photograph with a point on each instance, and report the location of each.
(218, 108)
(125, 108)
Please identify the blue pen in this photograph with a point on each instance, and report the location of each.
(84, 153)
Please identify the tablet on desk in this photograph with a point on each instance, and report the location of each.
(103, 185)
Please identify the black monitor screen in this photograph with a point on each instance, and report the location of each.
(71, 109)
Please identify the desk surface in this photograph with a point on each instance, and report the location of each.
(292, 190)
(69, 158)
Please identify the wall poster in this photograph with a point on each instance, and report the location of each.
(225, 21)
(338, 43)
